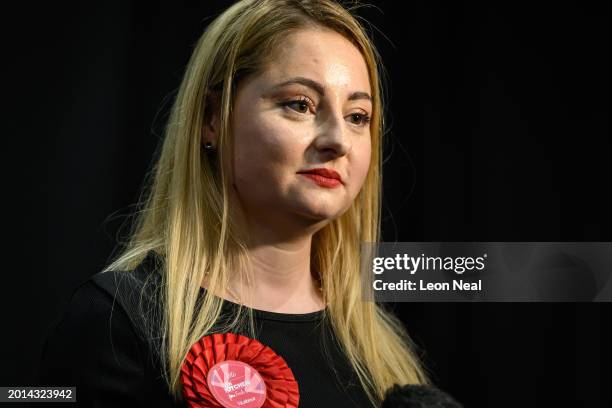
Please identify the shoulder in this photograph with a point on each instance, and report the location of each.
(105, 301)
(94, 348)
(93, 326)
(134, 294)
(91, 305)
(97, 344)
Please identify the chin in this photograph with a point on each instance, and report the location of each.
(320, 214)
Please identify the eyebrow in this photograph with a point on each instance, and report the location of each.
(317, 87)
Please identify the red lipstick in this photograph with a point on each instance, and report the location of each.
(323, 177)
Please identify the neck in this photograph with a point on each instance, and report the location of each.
(280, 263)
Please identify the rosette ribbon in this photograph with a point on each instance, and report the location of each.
(209, 379)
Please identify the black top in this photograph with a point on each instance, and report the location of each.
(99, 345)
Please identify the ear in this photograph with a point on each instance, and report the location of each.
(210, 127)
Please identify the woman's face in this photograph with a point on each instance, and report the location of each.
(308, 109)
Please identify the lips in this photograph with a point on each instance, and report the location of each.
(328, 173)
(323, 177)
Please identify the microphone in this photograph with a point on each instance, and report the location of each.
(418, 396)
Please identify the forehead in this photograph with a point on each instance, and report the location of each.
(319, 54)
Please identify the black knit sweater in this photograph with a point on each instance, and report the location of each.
(104, 346)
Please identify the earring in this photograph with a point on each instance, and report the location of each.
(209, 147)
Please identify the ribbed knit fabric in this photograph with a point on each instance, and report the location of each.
(103, 346)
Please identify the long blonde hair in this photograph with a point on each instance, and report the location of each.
(185, 215)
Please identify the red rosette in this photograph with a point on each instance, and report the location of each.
(281, 388)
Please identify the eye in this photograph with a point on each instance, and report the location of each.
(359, 119)
(301, 105)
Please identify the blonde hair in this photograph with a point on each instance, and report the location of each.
(186, 215)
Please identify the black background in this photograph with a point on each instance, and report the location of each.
(500, 120)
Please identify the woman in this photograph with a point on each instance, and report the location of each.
(268, 182)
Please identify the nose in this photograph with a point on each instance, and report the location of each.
(333, 139)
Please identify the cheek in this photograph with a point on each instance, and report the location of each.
(361, 163)
(264, 151)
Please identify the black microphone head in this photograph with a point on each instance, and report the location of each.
(418, 396)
